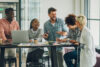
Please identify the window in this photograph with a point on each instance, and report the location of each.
(92, 11)
(30, 9)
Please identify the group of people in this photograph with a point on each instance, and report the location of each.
(55, 30)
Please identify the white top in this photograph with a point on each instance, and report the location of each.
(88, 54)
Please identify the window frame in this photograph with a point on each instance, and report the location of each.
(87, 14)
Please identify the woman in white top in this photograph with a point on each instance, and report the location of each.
(87, 54)
(34, 32)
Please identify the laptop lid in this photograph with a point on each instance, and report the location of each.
(20, 36)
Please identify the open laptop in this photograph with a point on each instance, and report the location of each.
(20, 36)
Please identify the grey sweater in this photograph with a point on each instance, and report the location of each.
(34, 35)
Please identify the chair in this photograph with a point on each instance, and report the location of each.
(42, 61)
(46, 58)
(98, 60)
(11, 60)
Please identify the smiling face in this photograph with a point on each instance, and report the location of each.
(10, 15)
(52, 15)
(35, 24)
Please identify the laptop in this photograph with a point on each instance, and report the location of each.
(20, 36)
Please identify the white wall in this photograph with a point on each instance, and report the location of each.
(64, 7)
(9, 0)
(79, 7)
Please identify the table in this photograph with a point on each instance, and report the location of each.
(53, 51)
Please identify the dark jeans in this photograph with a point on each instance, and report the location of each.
(34, 56)
(68, 57)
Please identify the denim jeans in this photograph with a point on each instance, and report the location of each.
(68, 57)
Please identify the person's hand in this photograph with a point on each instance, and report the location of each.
(45, 35)
(30, 41)
(61, 40)
(76, 43)
(58, 40)
(72, 41)
(64, 40)
(62, 33)
(8, 41)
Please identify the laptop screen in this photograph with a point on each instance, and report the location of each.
(20, 36)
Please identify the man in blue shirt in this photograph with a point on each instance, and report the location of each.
(54, 28)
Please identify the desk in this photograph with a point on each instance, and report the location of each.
(53, 51)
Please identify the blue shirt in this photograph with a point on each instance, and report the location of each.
(52, 29)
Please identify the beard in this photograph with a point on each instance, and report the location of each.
(53, 18)
(10, 19)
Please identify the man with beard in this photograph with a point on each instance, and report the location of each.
(7, 25)
(53, 29)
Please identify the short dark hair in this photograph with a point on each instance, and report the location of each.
(51, 9)
(70, 19)
(7, 10)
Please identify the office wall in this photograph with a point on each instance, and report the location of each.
(64, 7)
(9, 0)
(79, 7)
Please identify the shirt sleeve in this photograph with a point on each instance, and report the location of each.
(69, 34)
(64, 27)
(2, 34)
(88, 40)
(45, 28)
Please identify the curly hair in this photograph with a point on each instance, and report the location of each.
(70, 19)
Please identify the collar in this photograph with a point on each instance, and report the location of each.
(56, 20)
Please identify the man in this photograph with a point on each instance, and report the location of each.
(54, 28)
(7, 25)
(73, 35)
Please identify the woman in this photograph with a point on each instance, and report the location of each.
(34, 32)
(87, 55)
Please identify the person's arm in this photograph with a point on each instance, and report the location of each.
(45, 35)
(62, 33)
(2, 34)
(64, 29)
(17, 25)
(88, 40)
(61, 40)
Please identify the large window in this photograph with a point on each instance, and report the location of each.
(30, 9)
(92, 11)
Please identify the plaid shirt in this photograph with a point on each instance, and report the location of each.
(52, 29)
(74, 34)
